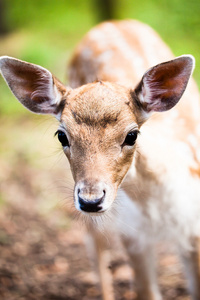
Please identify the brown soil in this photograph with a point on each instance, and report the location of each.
(39, 261)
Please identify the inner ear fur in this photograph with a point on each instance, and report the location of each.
(34, 86)
(163, 85)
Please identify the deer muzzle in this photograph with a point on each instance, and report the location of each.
(92, 197)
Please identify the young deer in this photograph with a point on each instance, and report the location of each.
(100, 116)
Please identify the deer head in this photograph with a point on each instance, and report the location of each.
(99, 122)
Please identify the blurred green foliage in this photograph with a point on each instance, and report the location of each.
(45, 32)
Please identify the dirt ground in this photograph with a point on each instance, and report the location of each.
(39, 261)
(43, 253)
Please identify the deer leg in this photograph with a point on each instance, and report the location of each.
(102, 259)
(191, 262)
(143, 264)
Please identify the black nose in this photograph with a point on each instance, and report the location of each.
(91, 205)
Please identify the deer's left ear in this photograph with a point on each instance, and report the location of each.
(163, 85)
(35, 87)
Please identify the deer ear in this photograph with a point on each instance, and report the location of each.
(163, 85)
(34, 86)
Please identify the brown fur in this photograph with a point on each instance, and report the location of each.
(92, 119)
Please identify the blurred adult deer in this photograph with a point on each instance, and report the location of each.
(101, 115)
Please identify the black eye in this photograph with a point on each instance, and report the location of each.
(131, 138)
(62, 138)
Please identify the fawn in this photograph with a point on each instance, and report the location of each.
(123, 81)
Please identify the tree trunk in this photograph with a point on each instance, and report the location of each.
(3, 25)
(105, 9)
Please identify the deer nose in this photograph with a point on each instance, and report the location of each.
(90, 203)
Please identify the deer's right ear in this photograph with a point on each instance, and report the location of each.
(35, 87)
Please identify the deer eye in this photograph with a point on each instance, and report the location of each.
(62, 138)
(131, 138)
